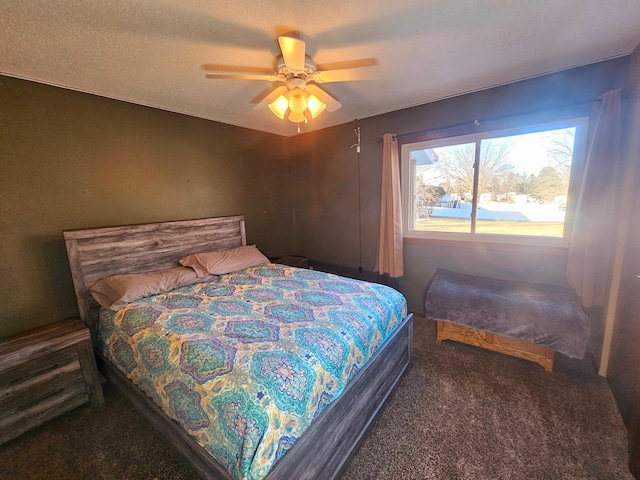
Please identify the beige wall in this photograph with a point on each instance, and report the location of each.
(70, 160)
(325, 179)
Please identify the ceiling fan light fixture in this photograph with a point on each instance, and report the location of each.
(300, 99)
(297, 101)
(297, 117)
(279, 106)
(315, 106)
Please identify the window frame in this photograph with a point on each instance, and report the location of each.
(473, 134)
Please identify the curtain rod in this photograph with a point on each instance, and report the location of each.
(477, 122)
(434, 130)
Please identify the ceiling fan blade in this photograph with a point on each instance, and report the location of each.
(365, 69)
(293, 52)
(264, 103)
(238, 72)
(242, 76)
(324, 97)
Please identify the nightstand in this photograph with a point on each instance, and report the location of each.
(44, 373)
(293, 261)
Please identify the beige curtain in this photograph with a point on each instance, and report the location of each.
(389, 259)
(591, 245)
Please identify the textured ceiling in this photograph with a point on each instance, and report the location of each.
(155, 52)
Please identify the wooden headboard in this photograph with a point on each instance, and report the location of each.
(97, 253)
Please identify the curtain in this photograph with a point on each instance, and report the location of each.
(591, 245)
(389, 259)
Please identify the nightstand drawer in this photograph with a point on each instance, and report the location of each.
(30, 408)
(37, 371)
(27, 398)
(44, 373)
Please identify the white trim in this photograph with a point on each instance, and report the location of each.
(408, 183)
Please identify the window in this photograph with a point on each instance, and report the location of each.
(509, 186)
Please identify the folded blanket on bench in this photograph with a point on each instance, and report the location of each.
(545, 314)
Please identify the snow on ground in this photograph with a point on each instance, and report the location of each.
(519, 212)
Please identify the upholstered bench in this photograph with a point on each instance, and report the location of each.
(522, 319)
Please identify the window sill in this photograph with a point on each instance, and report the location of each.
(539, 246)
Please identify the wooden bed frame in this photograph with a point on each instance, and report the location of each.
(325, 448)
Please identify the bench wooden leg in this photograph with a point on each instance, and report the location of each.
(497, 343)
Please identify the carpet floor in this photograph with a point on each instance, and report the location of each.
(460, 413)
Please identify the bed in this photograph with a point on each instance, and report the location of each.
(317, 447)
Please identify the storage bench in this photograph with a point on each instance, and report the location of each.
(522, 319)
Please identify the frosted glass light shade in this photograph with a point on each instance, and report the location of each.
(294, 105)
(297, 101)
(297, 117)
(315, 106)
(279, 106)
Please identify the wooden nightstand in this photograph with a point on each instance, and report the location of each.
(44, 373)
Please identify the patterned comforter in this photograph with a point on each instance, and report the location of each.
(247, 361)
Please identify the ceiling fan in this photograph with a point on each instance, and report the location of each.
(300, 97)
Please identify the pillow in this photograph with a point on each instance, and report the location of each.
(116, 291)
(225, 261)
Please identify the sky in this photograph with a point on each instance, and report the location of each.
(528, 154)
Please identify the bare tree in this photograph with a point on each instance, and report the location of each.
(429, 194)
(494, 162)
(561, 152)
(524, 183)
(456, 165)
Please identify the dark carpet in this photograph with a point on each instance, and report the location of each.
(460, 413)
